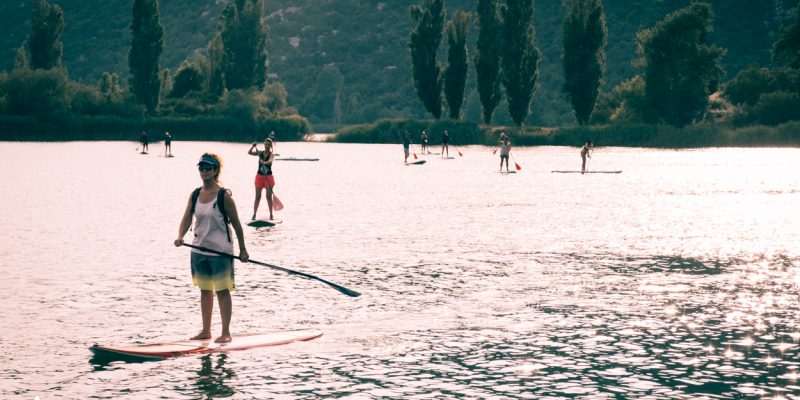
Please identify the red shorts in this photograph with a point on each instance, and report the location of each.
(261, 181)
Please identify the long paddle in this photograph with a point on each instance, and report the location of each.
(351, 293)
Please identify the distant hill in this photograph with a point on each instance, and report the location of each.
(367, 41)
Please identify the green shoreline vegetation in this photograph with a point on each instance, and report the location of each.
(223, 92)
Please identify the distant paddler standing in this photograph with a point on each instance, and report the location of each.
(274, 144)
(424, 140)
(445, 147)
(586, 151)
(406, 144)
(143, 141)
(505, 150)
(168, 144)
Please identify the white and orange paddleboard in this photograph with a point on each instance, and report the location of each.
(191, 347)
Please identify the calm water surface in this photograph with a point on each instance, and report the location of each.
(677, 278)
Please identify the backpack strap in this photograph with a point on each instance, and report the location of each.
(221, 207)
(195, 196)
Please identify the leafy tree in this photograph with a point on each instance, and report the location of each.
(778, 107)
(21, 59)
(748, 85)
(585, 37)
(787, 47)
(110, 87)
(189, 78)
(146, 46)
(243, 34)
(47, 24)
(680, 68)
(321, 100)
(455, 74)
(40, 92)
(487, 56)
(424, 43)
(520, 60)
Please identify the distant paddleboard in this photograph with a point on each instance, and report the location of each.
(296, 159)
(159, 351)
(169, 156)
(587, 172)
(261, 223)
(449, 158)
(144, 152)
(508, 172)
(432, 154)
(420, 162)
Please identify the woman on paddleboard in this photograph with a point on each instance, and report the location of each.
(264, 177)
(424, 140)
(585, 152)
(213, 208)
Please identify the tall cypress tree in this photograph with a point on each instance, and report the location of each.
(584, 60)
(455, 75)
(47, 24)
(787, 47)
(215, 77)
(424, 43)
(244, 41)
(146, 47)
(681, 68)
(520, 62)
(487, 56)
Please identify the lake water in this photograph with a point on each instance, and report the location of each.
(677, 278)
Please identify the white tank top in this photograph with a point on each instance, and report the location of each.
(209, 228)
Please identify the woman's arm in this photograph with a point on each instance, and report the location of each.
(253, 150)
(233, 216)
(186, 221)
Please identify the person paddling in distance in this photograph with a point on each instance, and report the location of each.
(272, 137)
(406, 145)
(213, 209)
(445, 147)
(143, 141)
(586, 151)
(424, 140)
(167, 144)
(505, 150)
(264, 177)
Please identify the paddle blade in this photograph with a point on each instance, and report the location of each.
(460, 155)
(415, 156)
(276, 203)
(494, 151)
(518, 167)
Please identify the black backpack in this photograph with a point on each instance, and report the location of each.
(219, 205)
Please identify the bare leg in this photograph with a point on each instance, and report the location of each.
(583, 165)
(258, 200)
(269, 200)
(206, 306)
(225, 311)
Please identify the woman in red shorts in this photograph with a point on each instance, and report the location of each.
(264, 177)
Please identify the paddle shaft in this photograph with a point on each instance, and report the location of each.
(351, 293)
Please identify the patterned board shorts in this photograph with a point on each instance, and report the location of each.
(212, 272)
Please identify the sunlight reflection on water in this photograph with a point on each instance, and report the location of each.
(675, 279)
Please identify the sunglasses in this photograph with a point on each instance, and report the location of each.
(205, 167)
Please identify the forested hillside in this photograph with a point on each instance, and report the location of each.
(358, 48)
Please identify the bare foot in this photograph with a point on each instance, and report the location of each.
(201, 336)
(223, 339)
